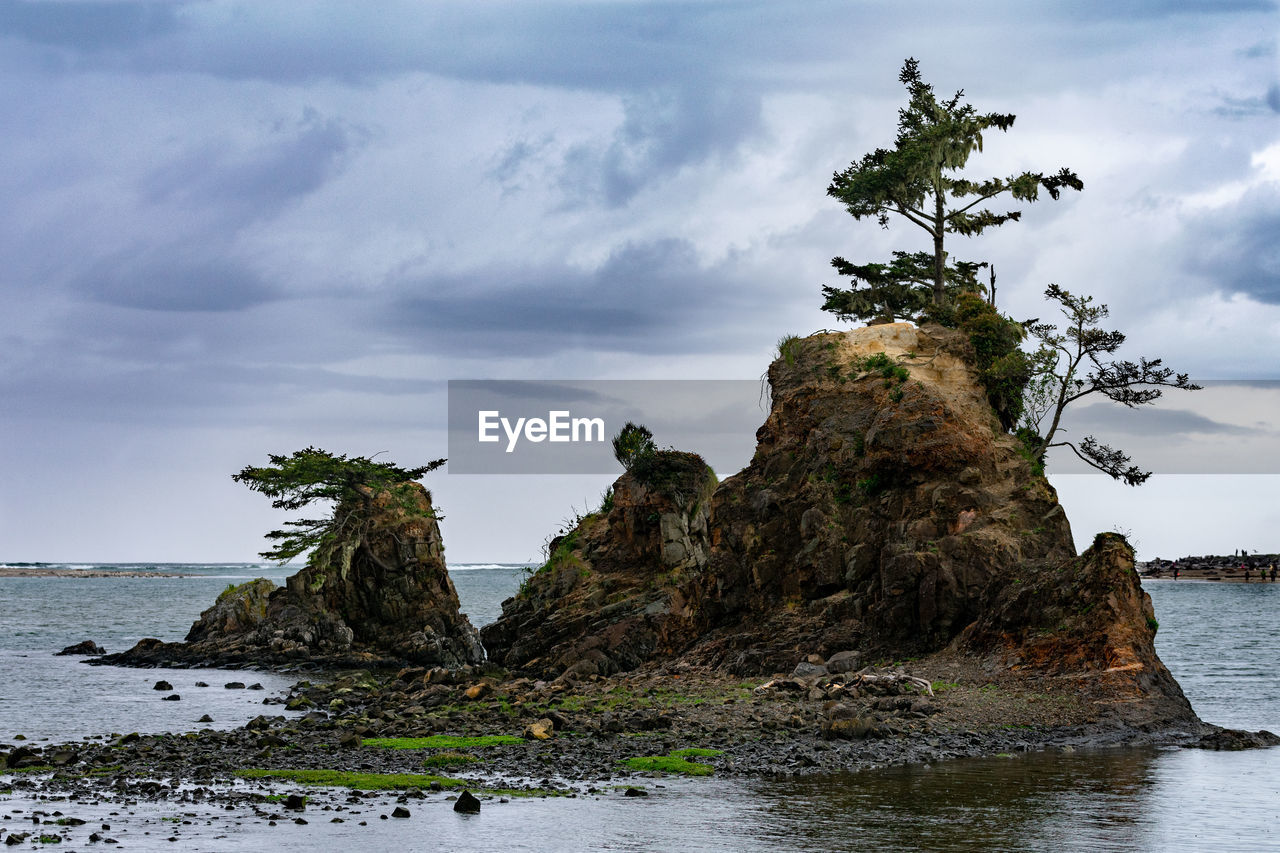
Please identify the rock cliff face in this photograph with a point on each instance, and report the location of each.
(882, 503)
(237, 610)
(885, 513)
(609, 596)
(382, 597)
(1089, 621)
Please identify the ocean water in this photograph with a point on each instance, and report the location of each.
(1218, 640)
(47, 697)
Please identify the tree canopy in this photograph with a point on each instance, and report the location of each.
(917, 180)
(351, 483)
(901, 288)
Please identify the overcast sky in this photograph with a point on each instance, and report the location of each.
(238, 228)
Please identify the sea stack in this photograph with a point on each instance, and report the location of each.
(379, 596)
(885, 515)
(608, 597)
(883, 507)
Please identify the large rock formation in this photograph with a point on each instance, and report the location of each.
(885, 512)
(882, 503)
(608, 598)
(383, 596)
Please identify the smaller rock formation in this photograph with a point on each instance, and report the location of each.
(88, 647)
(607, 599)
(1088, 620)
(381, 595)
(237, 610)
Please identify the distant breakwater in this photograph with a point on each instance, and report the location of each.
(1235, 567)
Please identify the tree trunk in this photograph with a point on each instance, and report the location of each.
(939, 256)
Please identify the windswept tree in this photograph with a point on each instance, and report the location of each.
(918, 181)
(1075, 363)
(352, 485)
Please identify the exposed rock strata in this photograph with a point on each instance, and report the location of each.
(878, 508)
(384, 596)
(609, 596)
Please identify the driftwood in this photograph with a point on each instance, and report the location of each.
(840, 683)
(892, 678)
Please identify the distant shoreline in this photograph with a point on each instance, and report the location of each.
(43, 572)
(1214, 568)
(1196, 577)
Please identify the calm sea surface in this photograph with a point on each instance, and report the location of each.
(1220, 641)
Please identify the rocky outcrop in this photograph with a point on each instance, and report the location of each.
(87, 647)
(883, 502)
(1237, 567)
(886, 514)
(609, 596)
(1090, 621)
(239, 609)
(381, 597)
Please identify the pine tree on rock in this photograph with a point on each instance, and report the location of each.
(918, 180)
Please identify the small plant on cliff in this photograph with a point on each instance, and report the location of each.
(1004, 369)
(889, 370)
(1073, 364)
(789, 348)
(633, 443)
(918, 180)
(352, 484)
(675, 473)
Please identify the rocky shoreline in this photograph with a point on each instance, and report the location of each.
(891, 580)
(435, 732)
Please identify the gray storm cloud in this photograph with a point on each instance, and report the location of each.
(293, 223)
